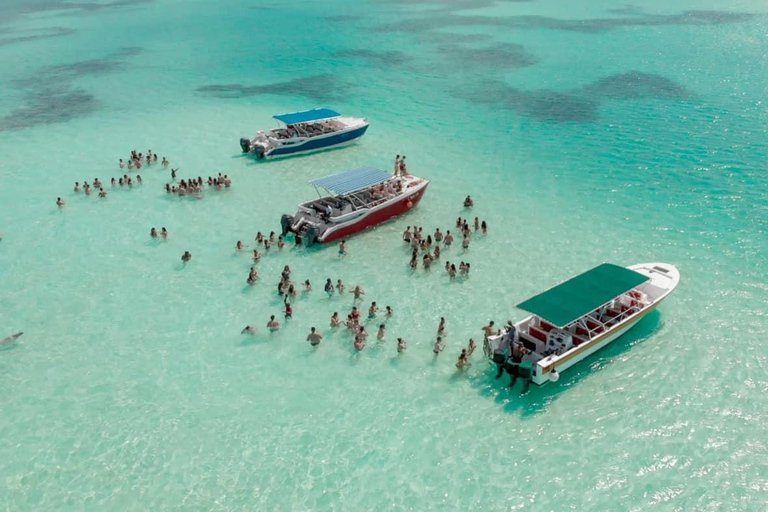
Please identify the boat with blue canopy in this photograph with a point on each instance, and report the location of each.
(305, 131)
(577, 318)
(355, 200)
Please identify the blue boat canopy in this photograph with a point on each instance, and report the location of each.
(349, 181)
(305, 116)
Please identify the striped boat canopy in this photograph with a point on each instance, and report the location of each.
(353, 180)
(571, 300)
(305, 116)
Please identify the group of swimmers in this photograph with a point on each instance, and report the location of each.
(429, 245)
(194, 186)
(138, 159)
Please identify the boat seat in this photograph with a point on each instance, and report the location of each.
(538, 334)
(581, 331)
(546, 326)
(593, 326)
(577, 340)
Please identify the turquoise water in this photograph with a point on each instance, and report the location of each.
(586, 133)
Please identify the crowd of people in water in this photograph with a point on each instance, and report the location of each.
(430, 248)
(133, 163)
(194, 186)
(355, 321)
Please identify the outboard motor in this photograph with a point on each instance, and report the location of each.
(245, 144)
(286, 221)
(310, 236)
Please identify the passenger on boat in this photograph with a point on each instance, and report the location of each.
(397, 165)
(403, 170)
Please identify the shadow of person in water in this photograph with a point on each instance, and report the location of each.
(538, 398)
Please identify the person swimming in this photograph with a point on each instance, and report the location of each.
(77, 186)
(249, 329)
(468, 202)
(441, 327)
(314, 337)
(273, 325)
(307, 286)
(186, 256)
(239, 246)
(401, 345)
(164, 233)
(390, 311)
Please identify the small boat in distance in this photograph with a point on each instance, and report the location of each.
(305, 131)
(357, 200)
(579, 317)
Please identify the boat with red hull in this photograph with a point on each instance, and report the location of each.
(358, 199)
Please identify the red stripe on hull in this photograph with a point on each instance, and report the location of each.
(377, 217)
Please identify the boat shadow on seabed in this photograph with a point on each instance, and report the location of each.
(536, 399)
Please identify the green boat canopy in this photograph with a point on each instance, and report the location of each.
(569, 301)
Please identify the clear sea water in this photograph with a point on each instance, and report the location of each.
(586, 132)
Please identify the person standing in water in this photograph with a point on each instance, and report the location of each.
(314, 337)
(60, 202)
(273, 325)
(335, 321)
(343, 249)
(441, 327)
(463, 363)
(186, 256)
(329, 287)
(382, 333)
(439, 346)
(401, 346)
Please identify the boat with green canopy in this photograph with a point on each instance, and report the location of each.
(579, 317)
